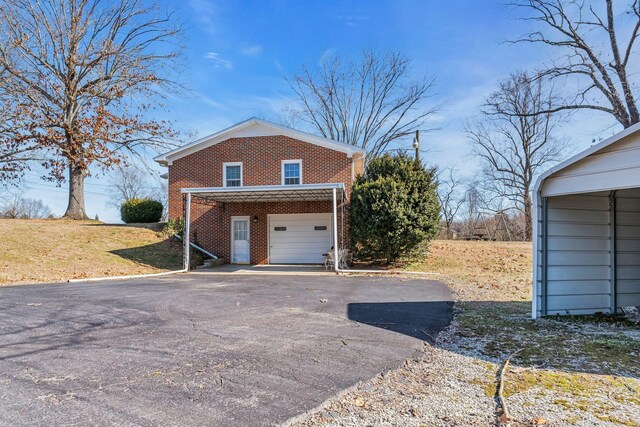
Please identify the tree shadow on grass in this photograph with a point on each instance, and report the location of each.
(153, 226)
(591, 344)
(166, 254)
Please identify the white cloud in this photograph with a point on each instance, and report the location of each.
(204, 13)
(353, 20)
(328, 53)
(208, 101)
(218, 61)
(253, 50)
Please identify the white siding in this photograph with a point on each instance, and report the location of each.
(587, 249)
(628, 247)
(611, 168)
(577, 254)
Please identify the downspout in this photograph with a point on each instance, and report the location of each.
(336, 251)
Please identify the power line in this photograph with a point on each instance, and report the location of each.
(34, 175)
(56, 188)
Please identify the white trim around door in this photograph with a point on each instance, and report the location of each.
(240, 240)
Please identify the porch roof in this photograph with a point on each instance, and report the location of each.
(268, 193)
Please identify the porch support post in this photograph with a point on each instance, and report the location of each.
(187, 233)
(335, 230)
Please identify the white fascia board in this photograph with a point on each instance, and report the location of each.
(166, 158)
(348, 149)
(265, 188)
(207, 141)
(583, 154)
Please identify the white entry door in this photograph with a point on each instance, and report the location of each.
(299, 238)
(240, 253)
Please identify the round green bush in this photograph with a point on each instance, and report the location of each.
(141, 211)
(394, 208)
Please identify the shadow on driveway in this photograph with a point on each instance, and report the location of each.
(420, 320)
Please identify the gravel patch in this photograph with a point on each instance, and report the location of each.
(438, 388)
(453, 386)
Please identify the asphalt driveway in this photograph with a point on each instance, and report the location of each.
(203, 349)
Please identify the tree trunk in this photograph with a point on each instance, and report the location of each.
(75, 208)
(528, 217)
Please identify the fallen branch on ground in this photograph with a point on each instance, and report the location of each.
(504, 417)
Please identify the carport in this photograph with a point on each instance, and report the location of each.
(253, 196)
(586, 246)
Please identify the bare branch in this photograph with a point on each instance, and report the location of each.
(370, 103)
(577, 31)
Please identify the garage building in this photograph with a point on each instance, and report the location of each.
(586, 246)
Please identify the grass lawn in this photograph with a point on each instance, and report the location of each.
(587, 364)
(34, 251)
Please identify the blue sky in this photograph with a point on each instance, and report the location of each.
(238, 53)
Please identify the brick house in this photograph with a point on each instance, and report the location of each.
(260, 193)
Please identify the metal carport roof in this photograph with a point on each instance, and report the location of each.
(333, 192)
(267, 193)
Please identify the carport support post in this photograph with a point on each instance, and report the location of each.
(544, 262)
(335, 230)
(187, 233)
(613, 250)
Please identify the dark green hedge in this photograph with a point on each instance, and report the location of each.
(141, 210)
(394, 208)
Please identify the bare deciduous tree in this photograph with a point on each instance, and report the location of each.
(13, 205)
(599, 52)
(160, 192)
(515, 139)
(133, 182)
(83, 73)
(129, 182)
(473, 204)
(367, 103)
(449, 185)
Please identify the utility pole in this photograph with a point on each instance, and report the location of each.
(416, 145)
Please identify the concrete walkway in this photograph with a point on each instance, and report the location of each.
(268, 269)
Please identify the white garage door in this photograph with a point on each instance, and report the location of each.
(299, 238)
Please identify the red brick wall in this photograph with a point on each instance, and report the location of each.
(261, 158)
(261, 165)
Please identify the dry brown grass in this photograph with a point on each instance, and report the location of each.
(482, 271)
(491, 282)
(34, 251)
